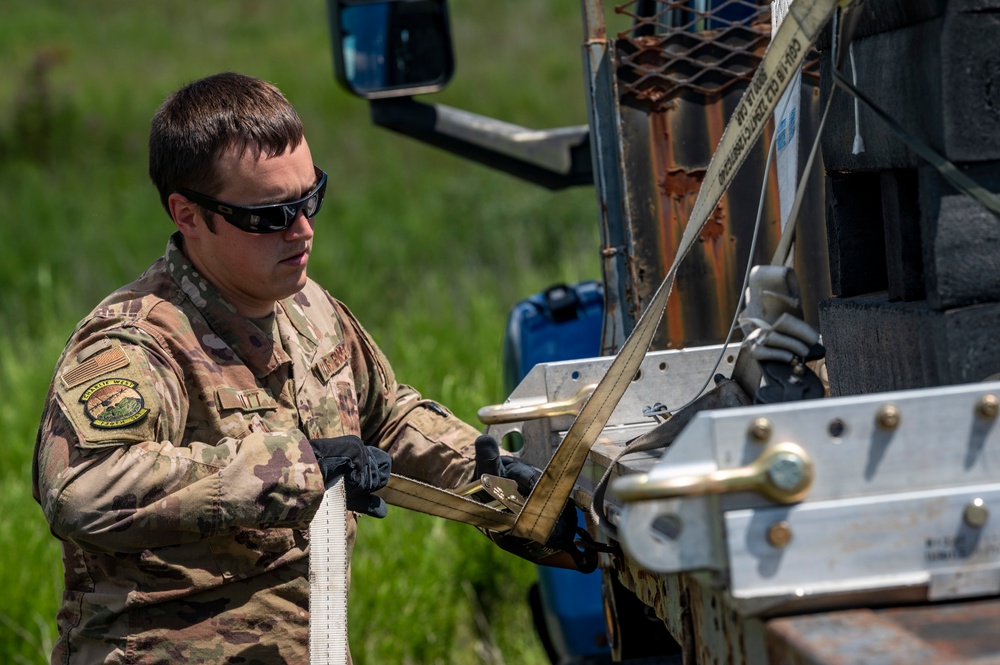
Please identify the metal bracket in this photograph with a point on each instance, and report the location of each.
(899, 494)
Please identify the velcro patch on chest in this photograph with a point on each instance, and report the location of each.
(331, 363)
(251, 399)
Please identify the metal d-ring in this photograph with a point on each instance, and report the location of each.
(497, 414)
(783, 473)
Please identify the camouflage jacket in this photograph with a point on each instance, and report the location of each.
(173, 463)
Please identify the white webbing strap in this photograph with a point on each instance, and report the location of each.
(328, 579)
(787, 50)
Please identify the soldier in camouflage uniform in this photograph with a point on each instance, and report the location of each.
(197, 414)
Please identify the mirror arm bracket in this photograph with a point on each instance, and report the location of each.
(554, 158)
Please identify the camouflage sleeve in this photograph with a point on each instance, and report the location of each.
(426, 441)
(112, 476)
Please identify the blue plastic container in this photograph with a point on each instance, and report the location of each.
(561, 323)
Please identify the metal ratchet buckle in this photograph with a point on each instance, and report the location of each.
(502, 492)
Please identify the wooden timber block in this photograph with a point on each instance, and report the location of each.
(903, 247)
(855, 237)
(876, 345)
(961, 239)
(939, 79)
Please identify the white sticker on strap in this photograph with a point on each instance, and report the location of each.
(786, 127)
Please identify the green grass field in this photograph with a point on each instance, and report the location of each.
(428, 250)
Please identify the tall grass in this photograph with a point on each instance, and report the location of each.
(429, 251)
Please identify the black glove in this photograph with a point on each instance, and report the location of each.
(365, 469)
(489, 460)
(525, 475)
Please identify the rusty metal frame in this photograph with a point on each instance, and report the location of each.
(653, 132)
(652, 137)
(610, 179)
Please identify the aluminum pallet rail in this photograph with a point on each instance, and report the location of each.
(840, 530)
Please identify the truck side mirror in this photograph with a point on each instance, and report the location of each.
(391, 48)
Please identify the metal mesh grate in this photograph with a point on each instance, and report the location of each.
(696, 45)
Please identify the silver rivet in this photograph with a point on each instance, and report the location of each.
(888, 417)
(976, 513)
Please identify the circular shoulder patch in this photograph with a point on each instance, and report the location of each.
(113, 403)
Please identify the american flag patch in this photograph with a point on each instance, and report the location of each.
(113, 358)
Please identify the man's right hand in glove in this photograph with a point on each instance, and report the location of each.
(365, 469)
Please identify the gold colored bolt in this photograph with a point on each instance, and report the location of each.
(760, 430)
(779, 534)
(976, 513)
(888, 417)
(988, 407)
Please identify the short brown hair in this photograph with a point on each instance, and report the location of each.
(203, 120)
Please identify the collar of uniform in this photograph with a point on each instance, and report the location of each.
(294, 309)
(261, 354)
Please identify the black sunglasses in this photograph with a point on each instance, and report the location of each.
(269, 218)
